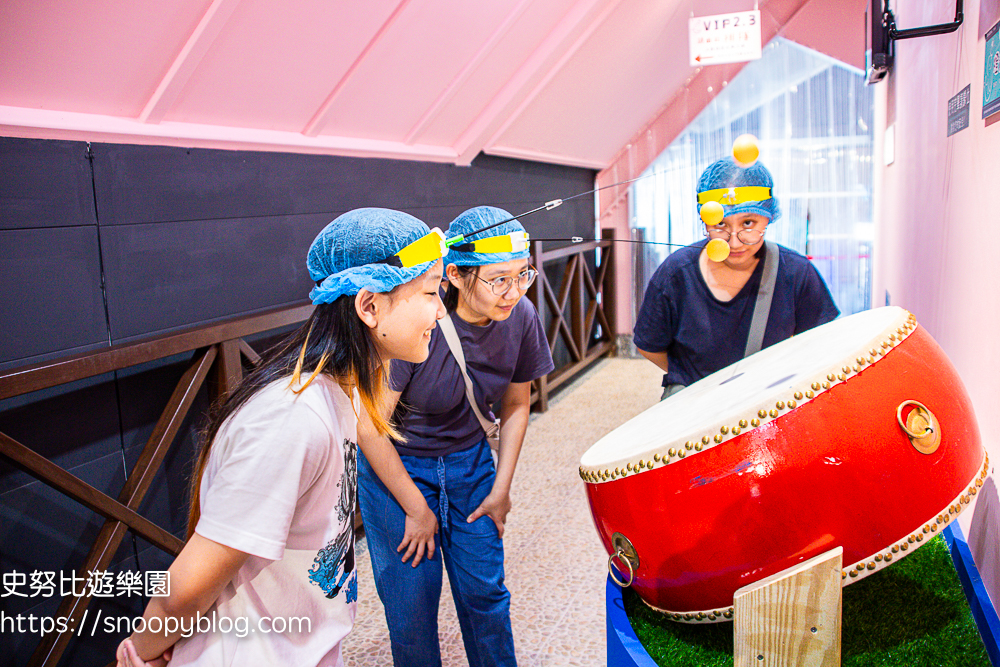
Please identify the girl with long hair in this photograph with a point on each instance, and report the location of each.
(267, 575)
(454, 486)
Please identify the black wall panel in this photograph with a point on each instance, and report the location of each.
(207, 234)
(51, 285)
(45, 184)
(173, 274)
(126, 242)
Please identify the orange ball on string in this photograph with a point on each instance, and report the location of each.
(745, 150)
(712, 213)
(717, 250)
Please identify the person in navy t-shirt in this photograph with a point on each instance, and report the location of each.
(453, 485)
(696, 313)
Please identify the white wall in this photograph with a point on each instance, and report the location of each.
(937, 247)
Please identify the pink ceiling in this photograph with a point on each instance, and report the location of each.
(565, 81)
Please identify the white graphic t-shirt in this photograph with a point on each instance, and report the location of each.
(281, 485)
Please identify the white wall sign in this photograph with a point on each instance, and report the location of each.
(724, 38)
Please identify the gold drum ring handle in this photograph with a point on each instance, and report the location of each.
(625, 553)
(920, 426)
(622, 558)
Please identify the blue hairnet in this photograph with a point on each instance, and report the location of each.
(477, 218)
(342, 257)
(726, 173)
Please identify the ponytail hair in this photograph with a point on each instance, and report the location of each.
(333, 341)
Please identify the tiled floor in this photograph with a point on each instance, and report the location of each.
(555, 564)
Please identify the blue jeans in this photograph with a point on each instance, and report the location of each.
(453, 485)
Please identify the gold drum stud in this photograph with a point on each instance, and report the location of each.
(656, 457)
(724, 430)
(762, 414)
(825, 385)
(736, 430)
(809, 394)
(774, 413)
(791, 405)
(718, 439)
(704, 440)
(780, 405)
(815, 386)
(755, 423)
(672, 452)
(743, 423)
(888, 557)
(699, 447)
(797, 395)
(682, 454)
(831, 377)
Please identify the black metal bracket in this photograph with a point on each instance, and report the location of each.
(941, 29)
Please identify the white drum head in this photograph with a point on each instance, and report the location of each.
(744, 388)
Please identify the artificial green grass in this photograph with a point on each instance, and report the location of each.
(912, 614)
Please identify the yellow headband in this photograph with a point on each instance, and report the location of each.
(735, 196)
(513, 242)
(427, 248)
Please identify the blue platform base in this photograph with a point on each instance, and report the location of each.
(624, 649)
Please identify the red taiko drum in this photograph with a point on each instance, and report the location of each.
(857, 434)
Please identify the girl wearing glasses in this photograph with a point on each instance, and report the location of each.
(457, 490)
(696, 314)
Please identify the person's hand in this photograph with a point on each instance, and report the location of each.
(496, 506)
(128, 657)
(418, 535)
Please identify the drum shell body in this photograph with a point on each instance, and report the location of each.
(836, 470)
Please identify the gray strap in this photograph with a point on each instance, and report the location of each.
(762, 307)
(455, 345)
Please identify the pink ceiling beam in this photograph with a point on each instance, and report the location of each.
(466, 72)
(577, 20)
(187, 60)
(543, 156)
(683, 107)
(48, 124)
(321, 117)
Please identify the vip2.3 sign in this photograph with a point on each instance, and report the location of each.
(724, 38)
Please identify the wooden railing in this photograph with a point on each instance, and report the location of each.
(217, 360)
(587, 297)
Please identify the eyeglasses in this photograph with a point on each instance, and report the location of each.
(745, 236)
(502, 285)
